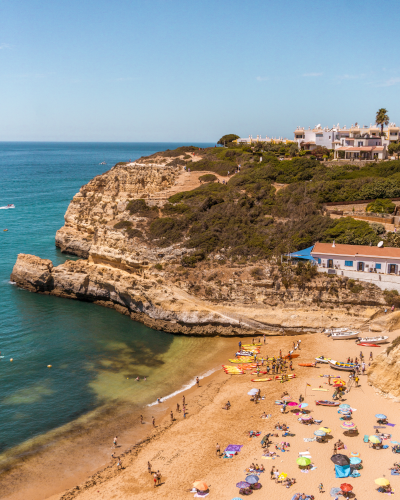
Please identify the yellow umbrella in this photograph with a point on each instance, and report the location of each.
(382, 481)
(282, 476)
(200, 485)
(374, 439)
(325, 429)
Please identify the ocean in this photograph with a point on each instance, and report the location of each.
(95, 353)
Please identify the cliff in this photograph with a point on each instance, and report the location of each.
(137, 266)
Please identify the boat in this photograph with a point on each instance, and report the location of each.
(103, 163)
(261, 379)
(322, 359)
(337, 365)
(380, 339)
(279, 377)
(6, 207)
(327, 403)
(259, 373)
(329, 331)
(365, 344)
(351, 334)
(308, 364)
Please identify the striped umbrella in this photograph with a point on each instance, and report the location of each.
(355, 460)
(344, 406)
(348, 425)
(252, 479)
(375, 439)
(319, 433)
(381, 416)
(306, 417)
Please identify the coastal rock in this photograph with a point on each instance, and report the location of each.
(33, 273)
(384, 372)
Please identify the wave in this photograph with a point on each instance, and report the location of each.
(185, 387)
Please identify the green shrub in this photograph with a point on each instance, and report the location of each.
(134, 233)
(208, 178)
(192, 260)
(392, 297)
(158, 267)
(380, 206)
(395, 343)
(178, 208)
(123, 224)
(257, 273)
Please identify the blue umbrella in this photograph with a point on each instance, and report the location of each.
(355, 460)
(344, 406)
(237, 498)
(381, 416)
(319, 433)
(252, 479)
(335, 492)
(303, 405)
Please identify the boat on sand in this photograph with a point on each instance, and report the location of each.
(337, 365)
(380, 339)
(351, 334)
(327, 403)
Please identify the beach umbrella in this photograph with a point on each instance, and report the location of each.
(303, 405)
(306, 417)
(375, 439)
(343, 411)
(348, 425)
(253, 392)
(237, 498)
(381, 416)
(382, 481)
(287, 398)
(282, 476)
(292, 403)
(243, 484)
(325, 429)
(339, 459)
(344, 406)
(252, 479)
(200, 485)
(346, 487)
(355, 460)
(335, 492)
(303, 461)
(319, 433)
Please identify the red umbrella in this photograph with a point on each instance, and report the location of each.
(346, 487)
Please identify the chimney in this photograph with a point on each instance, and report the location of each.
(333, 244)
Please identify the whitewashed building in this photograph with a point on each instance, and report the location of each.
(380, 266)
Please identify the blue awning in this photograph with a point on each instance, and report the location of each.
(302, 254)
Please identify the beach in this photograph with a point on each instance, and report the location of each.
(185, 450)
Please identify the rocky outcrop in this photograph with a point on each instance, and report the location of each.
(384, 372)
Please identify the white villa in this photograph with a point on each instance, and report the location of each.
(259, 138)
(363, 143)
(380, 266)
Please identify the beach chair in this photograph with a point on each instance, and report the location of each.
(366, 439)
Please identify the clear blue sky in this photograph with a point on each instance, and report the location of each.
(183, 70)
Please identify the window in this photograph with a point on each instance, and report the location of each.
(348, 263)
(319, 135)
(378, 266)
(360, 143)
(319, 260)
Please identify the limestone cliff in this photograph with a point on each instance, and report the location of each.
(384, 373)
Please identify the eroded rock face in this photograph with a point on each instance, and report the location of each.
(102, 202)
(384, 372)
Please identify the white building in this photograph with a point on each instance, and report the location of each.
(259, 138)
(351, 141)
(380, 266)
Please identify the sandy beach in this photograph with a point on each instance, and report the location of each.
(185, 450)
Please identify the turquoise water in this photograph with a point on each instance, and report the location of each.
(95, 353)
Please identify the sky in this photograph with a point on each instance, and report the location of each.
(193, 70)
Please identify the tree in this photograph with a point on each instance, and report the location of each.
(228, 138)
(380, 206)
(394, 147)
(293, 149)
(382, 118)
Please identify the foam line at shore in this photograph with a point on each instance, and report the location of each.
(185, 387)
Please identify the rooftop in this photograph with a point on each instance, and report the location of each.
(355, 250)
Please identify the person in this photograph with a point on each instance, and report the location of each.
(291, 365)
(240, 345)
(184, 411)
(149, 467)
(183, 399)
(155, 479)
(172, 416)
(356, 380)
(154, 421)
(158, 477)
(392, 307)
(115, 441)
(217, 450)
(370, 356)
(385, 310)
(272, 472)
(137, 379)
(177, 407)
(363, 367)
(264, 338)
(321, 487)
(141, 419)
(198, 381)
(158, 400)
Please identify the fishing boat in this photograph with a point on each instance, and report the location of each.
(350, 334)
(327, 403)
(329, 331)
(322, 359)
(380, 339)
(337, 365)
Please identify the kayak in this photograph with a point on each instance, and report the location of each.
(365, 344)
(261, 379)
(261, 373)
(279, 377)
(322, 359)
(291, 356)
(307, 364)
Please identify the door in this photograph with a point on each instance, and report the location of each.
(360, 266)
(392, 268)
(330, 263)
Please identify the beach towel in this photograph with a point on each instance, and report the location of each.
(394, 473)
(366, 438)
(391, 425)
(234, 447)
(342, 470)
(385, 446)
(355, 474)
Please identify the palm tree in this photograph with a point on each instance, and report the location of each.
(382, 118)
